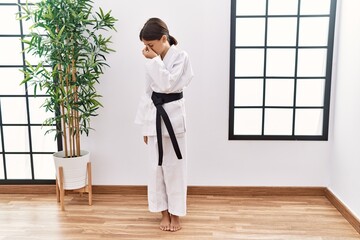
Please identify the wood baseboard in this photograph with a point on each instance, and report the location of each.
(125, 190)
(202, 190)
(256, 191)
(27, 189)
(192, 190)
(340, 206)
(221, 191)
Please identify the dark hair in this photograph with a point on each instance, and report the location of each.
(154, 29)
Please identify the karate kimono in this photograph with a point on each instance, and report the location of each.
(167, 185)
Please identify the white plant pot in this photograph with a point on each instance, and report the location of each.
(75, 169)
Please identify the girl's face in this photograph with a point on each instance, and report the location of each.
(160, 47)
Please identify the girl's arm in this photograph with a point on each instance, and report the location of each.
(165, 79)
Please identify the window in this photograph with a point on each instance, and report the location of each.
(25, 152)
(280, 73)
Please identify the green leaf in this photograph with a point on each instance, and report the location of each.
(60, 32)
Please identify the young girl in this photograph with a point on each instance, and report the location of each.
(162, 114)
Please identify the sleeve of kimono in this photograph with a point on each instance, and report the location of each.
(141, 110)
(144, 104)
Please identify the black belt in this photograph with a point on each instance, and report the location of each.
(159, 99)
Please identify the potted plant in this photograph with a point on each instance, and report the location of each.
(67, 37)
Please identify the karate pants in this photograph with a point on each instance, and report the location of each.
(167, 186)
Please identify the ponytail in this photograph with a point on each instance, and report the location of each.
(172, 40)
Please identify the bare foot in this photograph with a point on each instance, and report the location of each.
(165, 221)
(175, 223)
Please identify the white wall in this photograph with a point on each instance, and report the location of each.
(202, 28)
(345, 154)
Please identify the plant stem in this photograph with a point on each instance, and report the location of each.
(69, 113)
(61, 81)
(77, 125)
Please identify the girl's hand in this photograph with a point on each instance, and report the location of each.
(148, 52)
(145, 139)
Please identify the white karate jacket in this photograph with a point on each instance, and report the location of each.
(170, 75)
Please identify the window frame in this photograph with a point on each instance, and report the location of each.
(29, 124)
(328, 76)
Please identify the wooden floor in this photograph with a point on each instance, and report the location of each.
(115, 216)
